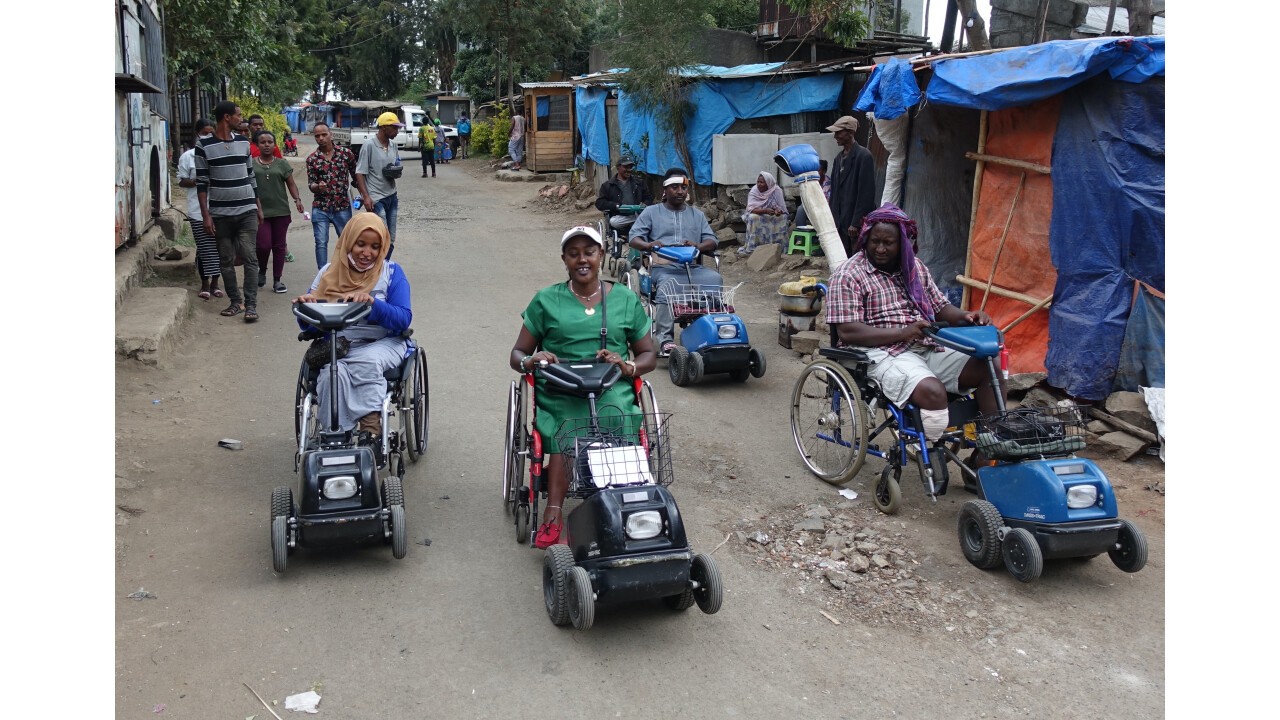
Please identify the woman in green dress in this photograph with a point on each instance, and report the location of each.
(562, 323)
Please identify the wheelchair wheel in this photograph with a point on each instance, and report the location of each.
(694, 370)
(515, 441)
(417, 407)
(757, 366)
(1130, 551)
(299, 396)
(887, 493)
(393, 500)
(281, 511)
(979, 529)
(555, 586)
(678, 366)
(710, 592)
(1022, 556)
(656, 434)
(829, 422)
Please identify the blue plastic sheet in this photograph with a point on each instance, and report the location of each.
(1142, 354)
(1107, 228)
(544, 106)
(589, 106)
(1024, 75)
(644, 138)
(891, 91)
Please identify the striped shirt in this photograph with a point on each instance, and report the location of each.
(861, 293)
(224, 171)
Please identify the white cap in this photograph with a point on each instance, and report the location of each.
(583, 230)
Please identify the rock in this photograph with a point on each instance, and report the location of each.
(837, 579)
(811, 273)
(906, 585)
(764, 257)
(1119, 445)
(738, 194)
(1097, 427)
(583, 191)
(866, 548)
(562, 191)
(818, 511)
(1131, 407)
(583, 204)
(742, 537)
(880, 561)
(726, 237)
(859, 564)
(1022, 382)
(759, 537)
(729, 258)
(833, 541)
(175, 252)
(791, 262)
(837, 554)
(806, 342)
(1039, 397)
(809, 525)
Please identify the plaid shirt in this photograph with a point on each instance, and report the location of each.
(335, 175)
(858, 292)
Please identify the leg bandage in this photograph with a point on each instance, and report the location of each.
(935, 423)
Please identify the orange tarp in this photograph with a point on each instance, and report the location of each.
(1024, 133)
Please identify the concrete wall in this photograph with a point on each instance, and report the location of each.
(1013, 22)
(738, 159)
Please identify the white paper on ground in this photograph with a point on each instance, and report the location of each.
(303, 702)
(847, 493)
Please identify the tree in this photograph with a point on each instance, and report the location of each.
(837, 18)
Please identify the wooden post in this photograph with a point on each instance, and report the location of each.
(1038, 306)
(973, 210)
(991, 279)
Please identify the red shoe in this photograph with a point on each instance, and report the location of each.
(547, 536)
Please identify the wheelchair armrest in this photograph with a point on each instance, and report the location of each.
(846, 354)
(306, 335)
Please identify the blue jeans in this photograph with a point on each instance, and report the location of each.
(320, 222)
(388, 208)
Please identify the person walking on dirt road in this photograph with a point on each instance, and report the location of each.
(330, 170)
(229, 205)
(207, 264)
(376, 173)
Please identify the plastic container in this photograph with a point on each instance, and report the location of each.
(355, 203)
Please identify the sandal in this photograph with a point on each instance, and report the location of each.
(203, 295)
(218, 293)
(232, 310)
(251, 315)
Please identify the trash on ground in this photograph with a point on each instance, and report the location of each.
(303, 702)
(425, 541)
(158, 709)
(142, 594)
(230, 444)
(849, 494)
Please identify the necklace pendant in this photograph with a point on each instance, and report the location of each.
(590, 311)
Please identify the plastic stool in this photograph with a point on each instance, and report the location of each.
(803, 239)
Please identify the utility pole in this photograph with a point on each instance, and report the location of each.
(977, 32)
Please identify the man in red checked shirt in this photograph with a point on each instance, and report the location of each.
(329, 172)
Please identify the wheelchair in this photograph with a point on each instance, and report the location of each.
(627, 541)
(620, 258)
(342, 501)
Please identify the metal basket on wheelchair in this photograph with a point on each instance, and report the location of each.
(1032, 432)
(616, 451)
(695, 300)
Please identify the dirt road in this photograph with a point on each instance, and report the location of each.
(457, 628)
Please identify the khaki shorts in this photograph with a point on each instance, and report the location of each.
(899, 375)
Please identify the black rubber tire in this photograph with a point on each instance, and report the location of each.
(392, 492)
(514, 438)
(710, 592)
(279, 543)
(678, 366)
(696, 367)
(282, 501)
(522, 520)
(887, 494)
(1130, 551)
(419, 407)
(740, 375)
(399, 533)
(1022, 556)
(757, 363)
(581, 597)
(555, 593)
(979, 530)
(811, 410)
(680, 602)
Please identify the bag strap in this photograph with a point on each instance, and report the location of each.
(604, 330)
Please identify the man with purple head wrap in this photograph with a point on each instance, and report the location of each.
(880, 300)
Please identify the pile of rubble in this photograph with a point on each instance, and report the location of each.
(855, 561)
(566, 197)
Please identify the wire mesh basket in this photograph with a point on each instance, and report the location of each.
(616, 451)
(687, 299)
(1032, 432)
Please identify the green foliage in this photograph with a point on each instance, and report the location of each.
(741, 15)
(838, 18)
(481, 137)
(885, 18)
(500, 130)
(274, 119)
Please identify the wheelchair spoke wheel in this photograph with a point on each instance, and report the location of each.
(515, 441)
(418, 407)
(299, 396)
(829, 422)
(656, 435)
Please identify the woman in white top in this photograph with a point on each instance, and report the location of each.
(207, 263)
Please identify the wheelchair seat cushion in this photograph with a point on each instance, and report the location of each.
(398, 373)
(845, 355)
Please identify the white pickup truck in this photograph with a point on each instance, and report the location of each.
(413, 117)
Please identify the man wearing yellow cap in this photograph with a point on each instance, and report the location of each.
(377, 170)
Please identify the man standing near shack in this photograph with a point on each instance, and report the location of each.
(515, 142)
(377, 170)
(853, 182)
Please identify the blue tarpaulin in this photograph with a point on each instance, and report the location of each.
(1107, 228)
(1024, 75)
(589, 107)
(891, 90)
(1142, 354)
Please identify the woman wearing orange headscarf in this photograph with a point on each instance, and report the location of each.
(360, 272)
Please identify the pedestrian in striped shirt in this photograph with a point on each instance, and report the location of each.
(229, 205)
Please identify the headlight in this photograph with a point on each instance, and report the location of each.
(644, 525)
(1082, 496)
(728, 331)
(340, 487)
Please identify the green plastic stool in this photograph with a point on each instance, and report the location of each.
(805, 241)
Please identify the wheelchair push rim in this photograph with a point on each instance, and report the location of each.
(829, 422)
